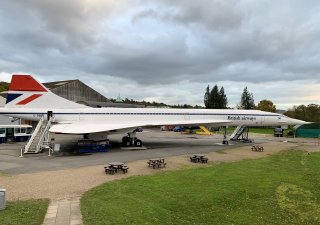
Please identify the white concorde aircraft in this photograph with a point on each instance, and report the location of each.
(30, 100)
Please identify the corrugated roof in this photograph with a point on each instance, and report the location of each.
(310, 126)
(110, 104)
(56, 84)
(2, 101)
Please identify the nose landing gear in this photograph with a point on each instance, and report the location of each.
(131, 140)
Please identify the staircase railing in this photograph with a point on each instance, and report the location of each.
(237, 132)
(44, 135)
(34, 134)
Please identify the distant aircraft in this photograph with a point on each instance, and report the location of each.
(30, 100)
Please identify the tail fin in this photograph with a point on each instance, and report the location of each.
(26, 92)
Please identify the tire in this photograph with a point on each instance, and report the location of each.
(138, 143)
(225, 142)
(124, 139)
(127, 143)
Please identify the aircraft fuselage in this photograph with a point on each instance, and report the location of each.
(112, 115)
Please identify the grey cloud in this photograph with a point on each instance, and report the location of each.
(162, 42)
(160, 61)
(256, 54)
(212, 14)
(77, 22)
(147, 13)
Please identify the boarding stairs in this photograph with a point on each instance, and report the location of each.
(40, 137)
(240, 130)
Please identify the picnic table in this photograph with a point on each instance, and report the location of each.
(257, 148)
(156, 163)
(114, 167)
(198, 158)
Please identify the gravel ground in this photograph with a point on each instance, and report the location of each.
(70, 183)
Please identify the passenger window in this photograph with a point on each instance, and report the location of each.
(23, 130)
(2, 130)
(17, 130)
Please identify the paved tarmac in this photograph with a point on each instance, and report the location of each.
(159, 144)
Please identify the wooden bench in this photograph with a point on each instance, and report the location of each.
(194, 159)
(162, 164)
(110, 170)
(124, 169)
(204, 160)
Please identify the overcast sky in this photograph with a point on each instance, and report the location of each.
(168, 51)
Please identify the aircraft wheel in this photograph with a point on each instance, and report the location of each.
(127, 143)
(124, 139)
(138, 143)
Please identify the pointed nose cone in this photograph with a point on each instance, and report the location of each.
(285, 120)
(296, 122)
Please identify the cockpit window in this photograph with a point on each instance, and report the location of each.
(280, 116)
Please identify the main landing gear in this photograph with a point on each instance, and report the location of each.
(225, 140)
(131, 140)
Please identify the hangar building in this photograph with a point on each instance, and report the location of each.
(4, 120)
(77, 91)
(311, 130)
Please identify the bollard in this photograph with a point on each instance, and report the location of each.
(2, 199)
(21, 152)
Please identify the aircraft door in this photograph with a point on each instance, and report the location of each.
(49, 115)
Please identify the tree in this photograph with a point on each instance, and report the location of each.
(266, 105)
(247, 101)
(313, 113)
(223, 101)
(206, 97)
(310, 113)
(214, 98)
(4, 86)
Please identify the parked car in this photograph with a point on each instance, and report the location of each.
(178, 129)
(278, 132)
(214, 129)
(139, 129)
(167, 128)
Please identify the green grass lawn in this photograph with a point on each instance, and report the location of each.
(261, 130)
(280, 189)
(257, 130)
(252, 130)
(30, 212)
